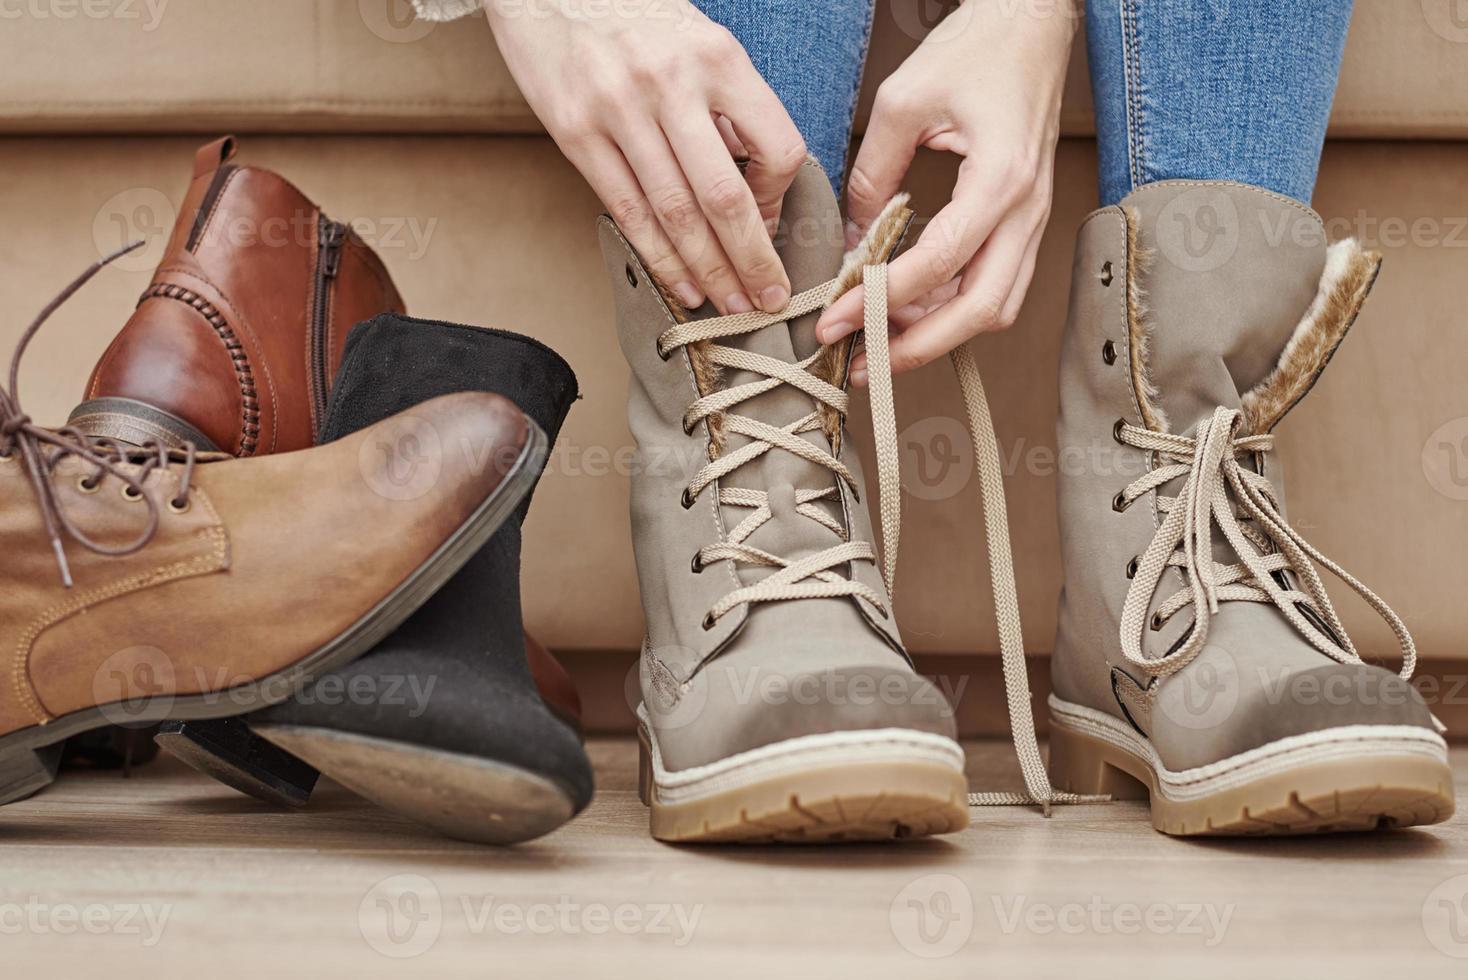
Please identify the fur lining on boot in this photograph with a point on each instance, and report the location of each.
(877, 246)
(1349, 274)
(440, 10)
(1138, 261)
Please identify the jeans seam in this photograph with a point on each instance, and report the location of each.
(838, 179)
(1131, 58)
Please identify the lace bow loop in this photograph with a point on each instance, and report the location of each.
(1275, 565)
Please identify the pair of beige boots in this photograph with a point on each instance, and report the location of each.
(1199, 660)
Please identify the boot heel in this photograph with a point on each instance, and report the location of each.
(27, 771)
(135, 423)
(1081, 764)
(233, 754)
(644, 768)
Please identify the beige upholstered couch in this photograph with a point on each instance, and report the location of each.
(418, 132)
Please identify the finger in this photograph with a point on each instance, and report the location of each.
(775, 148)
(905, 316)
(612, 180)
(979, 306)
(1026, 275)
(736, 148)
(729, 207)
(886, 152)
(945, 247)
(678, 211)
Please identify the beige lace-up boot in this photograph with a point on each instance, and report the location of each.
(1199, 660)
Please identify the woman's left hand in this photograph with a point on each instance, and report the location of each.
(985, 84)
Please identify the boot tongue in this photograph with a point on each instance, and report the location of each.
(810, 246)
(1229, 272)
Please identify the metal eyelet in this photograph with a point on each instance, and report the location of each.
(1108, 352)
(1119, 503)
(1106, 275)
(688, 499)
(631, 276)
(708, 622)
(180, 508)
(1157, 622)
(129, 494)
(1116, 431)
(1131, 568)
(688, 425)
(697, 563)
(86, 484)
(659, 348)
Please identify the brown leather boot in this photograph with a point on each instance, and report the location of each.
(149, 583)
(234, 343)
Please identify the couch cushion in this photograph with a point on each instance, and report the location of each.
(78, 66)
(499, 231)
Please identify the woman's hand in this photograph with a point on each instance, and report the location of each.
(986, 84)
(652, 107)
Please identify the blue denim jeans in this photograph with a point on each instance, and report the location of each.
(1227, 89)
(1224, 89)
(811, 52)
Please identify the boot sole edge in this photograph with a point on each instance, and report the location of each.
(819, 789)
(465, 797)
(1347, 779)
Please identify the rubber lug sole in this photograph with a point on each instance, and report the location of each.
(460, 796)
(18, 777)
(842, 802)
(1376, 790)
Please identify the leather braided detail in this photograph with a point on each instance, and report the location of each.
(244, 374)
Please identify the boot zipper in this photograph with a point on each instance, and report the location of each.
(206, 206)
(330, 236)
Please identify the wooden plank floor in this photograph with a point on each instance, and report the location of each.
(170, 875)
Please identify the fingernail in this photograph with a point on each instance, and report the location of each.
(853, 234)
(738, 303)
(688, 295)
(774, 298)
(859, 376)
(833, 332)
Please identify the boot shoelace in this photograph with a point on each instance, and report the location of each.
(40, 450)
(815, 576)
(1268, 549)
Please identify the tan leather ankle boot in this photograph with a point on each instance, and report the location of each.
(148, 583)
(1199, 661)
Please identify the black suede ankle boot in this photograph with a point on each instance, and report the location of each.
(442, 722)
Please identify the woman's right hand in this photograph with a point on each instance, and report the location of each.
(653, 107)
